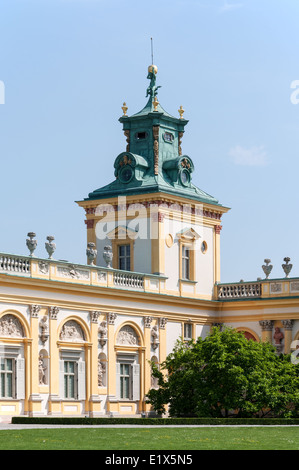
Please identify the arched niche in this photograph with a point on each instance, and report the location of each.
(129, 334)
(73, 331)
(102, 370)
(249, 334)
(13, 325)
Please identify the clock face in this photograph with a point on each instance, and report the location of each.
(126, 174)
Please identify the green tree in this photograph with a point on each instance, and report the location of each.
(226, 374)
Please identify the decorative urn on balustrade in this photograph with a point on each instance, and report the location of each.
(50, 246)
(267, 268)
(31, 243)
(287, 267)
(91, 252)
(108, 255)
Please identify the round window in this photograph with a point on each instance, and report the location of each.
(204, 247)
(185, 177)
(126, 174)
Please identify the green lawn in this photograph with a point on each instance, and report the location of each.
(216, 438)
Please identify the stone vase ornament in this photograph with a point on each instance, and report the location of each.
(31, 243)
(91, 253)
(267, 268)
(287, 267)
(50, 246)
(108, 255)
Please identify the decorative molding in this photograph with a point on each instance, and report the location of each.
(162, 323)
(147, 321)
(156, 148)
(266, 325)
(53, 312)
(43, 267)
(294, 286)
(71, 331)
(218, 229)
(89, 223)
(127, 336)
(111, 317)
(34, 310)
(11, 326)
(73, 272)
(127, 135)
(180, 142)
(94, 316)
(275, 287)
(287, 324)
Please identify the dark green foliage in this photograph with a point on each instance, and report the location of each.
(226, 375)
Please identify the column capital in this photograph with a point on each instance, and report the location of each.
(34, 310)
(53, 311)
(267, 325)
(287, 324)
(94, 316)
(162, 323)
(111, 317)
(147, 321)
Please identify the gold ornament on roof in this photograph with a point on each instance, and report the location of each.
(181, 112)
(125, 109)
(155, 103)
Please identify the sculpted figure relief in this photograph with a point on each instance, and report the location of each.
(72, 331)
(127, 336)
(10, 326)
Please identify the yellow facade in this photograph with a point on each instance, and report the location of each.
(77, 340)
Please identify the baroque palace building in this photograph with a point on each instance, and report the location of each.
(78, 339)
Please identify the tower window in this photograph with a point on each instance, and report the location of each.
(141, 135)
(124, 257)
(168, 137)
(185, 262)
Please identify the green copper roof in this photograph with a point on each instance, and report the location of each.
(153, 161)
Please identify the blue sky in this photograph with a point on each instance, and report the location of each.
(68, 65)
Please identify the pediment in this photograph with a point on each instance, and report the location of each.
(188, 234)
(122, 233)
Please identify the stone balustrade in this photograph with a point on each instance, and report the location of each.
(59, 270)
(286, 287)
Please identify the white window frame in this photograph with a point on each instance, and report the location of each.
(130, 360)
(187, 331)
(18, 370)
(79, 375)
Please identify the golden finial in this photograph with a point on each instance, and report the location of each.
(125, 109)
(181, 112)
(155, 103)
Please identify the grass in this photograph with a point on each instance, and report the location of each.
(205, 438)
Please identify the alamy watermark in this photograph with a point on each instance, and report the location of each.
(131, 220)
(2, 92)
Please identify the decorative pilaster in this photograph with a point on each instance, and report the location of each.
(288, 327)
(267, 327)
(54, 398)
(218, 229)
(34, 402)
(94, 399)
(111, 356)
(147, 352)
(156, 149)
